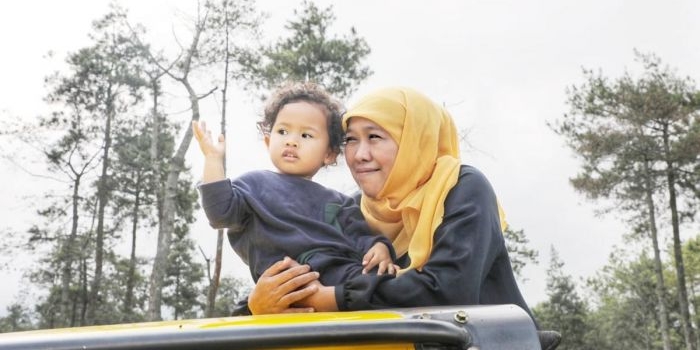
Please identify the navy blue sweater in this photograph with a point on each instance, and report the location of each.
(271, 215)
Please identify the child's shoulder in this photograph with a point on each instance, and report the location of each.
(252, 176)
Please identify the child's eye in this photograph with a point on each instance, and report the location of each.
(282, 131)
(306, 136)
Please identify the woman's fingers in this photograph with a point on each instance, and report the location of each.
(280, 286)
(277, 267)
(299, 294)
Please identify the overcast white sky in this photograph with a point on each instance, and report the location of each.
(500, 67)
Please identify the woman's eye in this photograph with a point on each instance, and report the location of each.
(349, 139)
(374, 136)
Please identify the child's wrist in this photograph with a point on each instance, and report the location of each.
(214, 158)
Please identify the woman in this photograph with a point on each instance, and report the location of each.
(442, 218)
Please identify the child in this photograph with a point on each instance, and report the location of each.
(271, 215)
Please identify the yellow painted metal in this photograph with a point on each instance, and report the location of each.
(299, 318)
(209, 323)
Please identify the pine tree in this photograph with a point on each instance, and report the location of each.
(310, 53)
(564, 311)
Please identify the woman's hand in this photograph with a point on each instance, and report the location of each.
(281, 285)
(323, 300)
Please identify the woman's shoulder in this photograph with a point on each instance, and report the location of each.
(472, 185)
(471, 175)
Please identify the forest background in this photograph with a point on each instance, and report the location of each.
(515, 76)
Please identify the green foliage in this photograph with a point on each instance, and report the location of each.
(184, 277)
(626, 315)
(618, 127)
(518, 250)
(130, 285)
(311, 53)
(691, 252)
(18, 319)
(565, 311)
(231, 27)
(63, 305)
(231, 291)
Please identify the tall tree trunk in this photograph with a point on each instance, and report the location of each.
(102, 194)
(84, 291)
(175, 167)
(155, 129)
(84, 283)
(68, 256)
(153, 312)
(131, 275)
(167, 224)
(688, 333)
(660, 288)
(216, 279)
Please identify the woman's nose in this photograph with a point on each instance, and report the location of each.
(362, 152)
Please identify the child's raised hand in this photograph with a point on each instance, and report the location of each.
(207, 145)
(378, 256)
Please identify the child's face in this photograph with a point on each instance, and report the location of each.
(298, 142)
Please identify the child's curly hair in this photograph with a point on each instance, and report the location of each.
(305, 92)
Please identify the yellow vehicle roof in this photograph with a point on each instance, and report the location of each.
(455, 327)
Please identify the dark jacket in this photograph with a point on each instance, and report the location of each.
(469, 263)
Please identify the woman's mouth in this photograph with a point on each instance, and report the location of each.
(365, 171)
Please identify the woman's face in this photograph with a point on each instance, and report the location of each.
(370, 153)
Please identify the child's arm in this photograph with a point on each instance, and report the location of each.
(379, 255)
(213, 152)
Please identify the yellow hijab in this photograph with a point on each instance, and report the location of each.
(410, 206)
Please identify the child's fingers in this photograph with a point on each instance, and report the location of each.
(196, 130)
(369, 262)
(376, 261)
(367, 258)
(386, 266)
